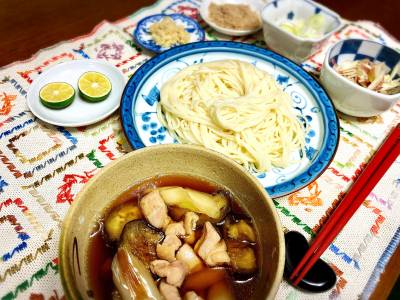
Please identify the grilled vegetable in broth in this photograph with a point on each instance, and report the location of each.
(119, 217)
(131, 277)
(213, 206)
(141, 240)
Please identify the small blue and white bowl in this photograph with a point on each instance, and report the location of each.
(287, 44)
(349, 97)
(145, 40)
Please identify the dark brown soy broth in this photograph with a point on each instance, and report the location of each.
(102, 250)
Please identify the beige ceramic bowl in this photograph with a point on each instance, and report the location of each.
(117, 177)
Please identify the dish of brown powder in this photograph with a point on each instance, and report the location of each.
(234, 16)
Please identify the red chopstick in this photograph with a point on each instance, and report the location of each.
(360, 183)
(356, 195)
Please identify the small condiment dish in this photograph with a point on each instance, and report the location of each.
(349, 97)
(145, 40)
(285, 43)
(255, 5)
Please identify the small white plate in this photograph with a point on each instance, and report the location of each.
(255, 5)
(80, 112)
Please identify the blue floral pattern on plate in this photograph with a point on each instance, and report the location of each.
(316, 112)
(143, 36)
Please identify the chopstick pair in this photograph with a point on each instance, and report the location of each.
(373, 172)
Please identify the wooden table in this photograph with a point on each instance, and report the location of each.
(28, 26)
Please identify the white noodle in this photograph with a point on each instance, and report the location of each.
(234, 108)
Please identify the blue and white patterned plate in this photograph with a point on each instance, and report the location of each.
(141, 95)
(143, 36)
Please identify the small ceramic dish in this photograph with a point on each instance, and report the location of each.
(296, 48)
(143, 36)
(96, 196)
(255, 5)
(80, 112)
(349, 97)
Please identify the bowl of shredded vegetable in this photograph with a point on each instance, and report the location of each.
(298, 28)
(362, 77)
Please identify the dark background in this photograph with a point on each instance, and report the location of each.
(30, 25)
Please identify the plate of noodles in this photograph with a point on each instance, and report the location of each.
(161, 32)
(251, 104)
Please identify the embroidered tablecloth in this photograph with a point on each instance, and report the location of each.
(42, 167)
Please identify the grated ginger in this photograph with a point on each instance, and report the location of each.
(167, 33)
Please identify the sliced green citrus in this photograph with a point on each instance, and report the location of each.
(94, 86)
(57, 95)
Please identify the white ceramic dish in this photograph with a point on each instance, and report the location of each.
(296, 48)
(80, 112)
(349, 97)
(255, 5)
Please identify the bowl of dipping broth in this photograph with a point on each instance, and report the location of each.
(362, 77)
(232, 17)
(298, 28)
(172, 220)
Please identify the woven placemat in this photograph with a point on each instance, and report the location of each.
(42, 167)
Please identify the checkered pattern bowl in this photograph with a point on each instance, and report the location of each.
(349, 97)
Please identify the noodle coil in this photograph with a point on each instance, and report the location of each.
(234, 108)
